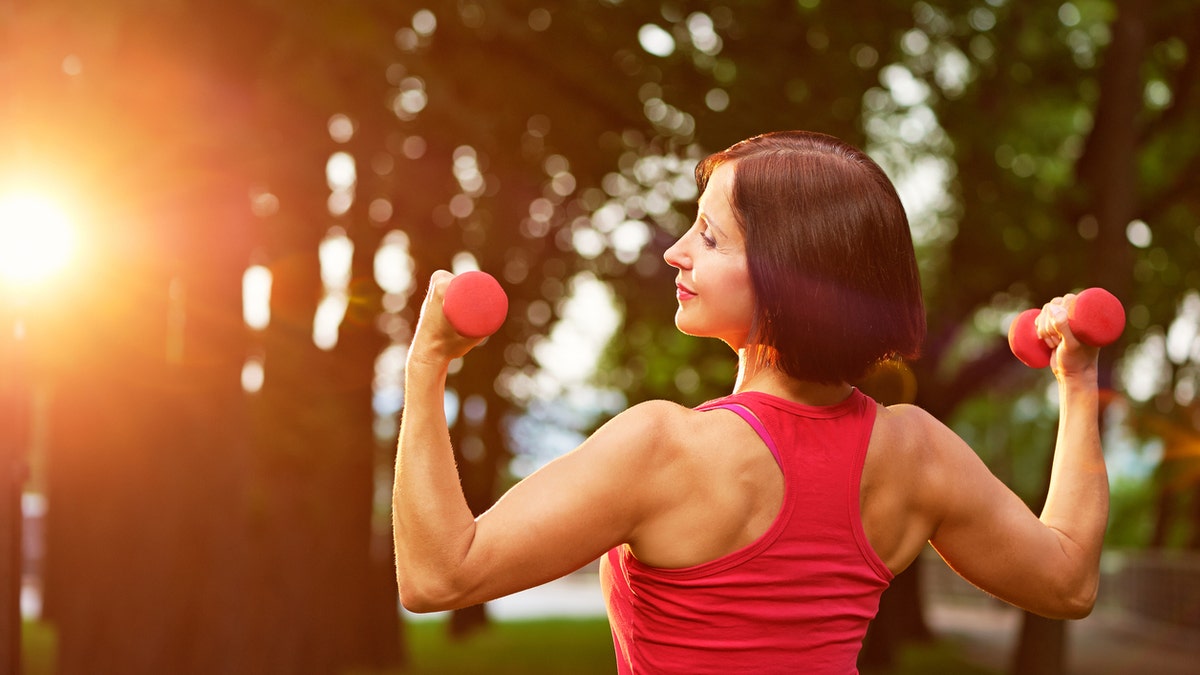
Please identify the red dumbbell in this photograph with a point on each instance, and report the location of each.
(1097, 318)
(475, 304)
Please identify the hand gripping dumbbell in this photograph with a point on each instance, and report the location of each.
(1097, 318)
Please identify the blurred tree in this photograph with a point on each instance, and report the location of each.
(194, 528)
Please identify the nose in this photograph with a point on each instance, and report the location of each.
(677, 256)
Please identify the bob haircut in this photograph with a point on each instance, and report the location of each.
(830, 255)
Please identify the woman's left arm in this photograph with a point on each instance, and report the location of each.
(1076, 506)
(1048, 564)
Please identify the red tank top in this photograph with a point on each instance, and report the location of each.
(796, 600)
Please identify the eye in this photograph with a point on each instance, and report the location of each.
(702, 230)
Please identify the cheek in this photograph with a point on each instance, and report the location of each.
(742, 288)
(745, 300)
(742, 309)
(735, 309)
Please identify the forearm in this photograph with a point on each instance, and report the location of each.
(1076, 505)
(432, 524)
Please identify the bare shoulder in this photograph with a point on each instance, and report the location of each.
(676, 429)
(642, 436)
(655, 412)
(666, 435)
(900, 456)
(904, 432)
(913, 430)
(914, 434)
(911, 458)
(907, 418)
(649, 422)
(707, 482)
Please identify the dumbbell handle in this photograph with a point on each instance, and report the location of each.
(1096, 317)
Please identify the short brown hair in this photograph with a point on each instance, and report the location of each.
(830, 255)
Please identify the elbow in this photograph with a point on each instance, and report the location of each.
(1072, 612)
(1080, 606)
(1074, 603)
(424, 595)
(417, 603)
(412, 600)
(433, 579)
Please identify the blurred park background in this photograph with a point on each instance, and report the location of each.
(217, 220)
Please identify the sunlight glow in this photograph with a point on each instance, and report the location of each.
(37, 238)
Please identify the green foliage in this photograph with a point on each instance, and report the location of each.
(39, 646)
(936, 657)
(659, 362)
(1013, 432)
(1131, 505)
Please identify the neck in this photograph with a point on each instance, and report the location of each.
(755, 376)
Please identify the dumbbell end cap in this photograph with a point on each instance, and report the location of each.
(475, 304)
(1097, 317)
(1024, 342)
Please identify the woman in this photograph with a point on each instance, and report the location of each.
(756, 533)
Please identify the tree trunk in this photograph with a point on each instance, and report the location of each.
(192, 529)
(1042, 646)
(324, 591)
(14, 423)
(141, 558)
(147, 438)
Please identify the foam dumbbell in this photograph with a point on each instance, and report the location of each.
(1097, 318)
(475, 304)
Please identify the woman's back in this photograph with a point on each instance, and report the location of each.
(800, 594)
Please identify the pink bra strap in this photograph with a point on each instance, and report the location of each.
(751, 419)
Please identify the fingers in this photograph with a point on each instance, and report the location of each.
(1054, 329)
(437, 285)
(1053, 324)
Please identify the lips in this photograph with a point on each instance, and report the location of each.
(683, 292)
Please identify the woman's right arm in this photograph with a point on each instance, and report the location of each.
(558, 519)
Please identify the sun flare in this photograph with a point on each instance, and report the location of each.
(37, 238)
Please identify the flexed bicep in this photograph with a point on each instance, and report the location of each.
(991, 538)
(561, 517)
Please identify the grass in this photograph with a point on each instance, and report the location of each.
(38, 648)
(550, 646)
(935, 658)
(576, 646)
(584, 647)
